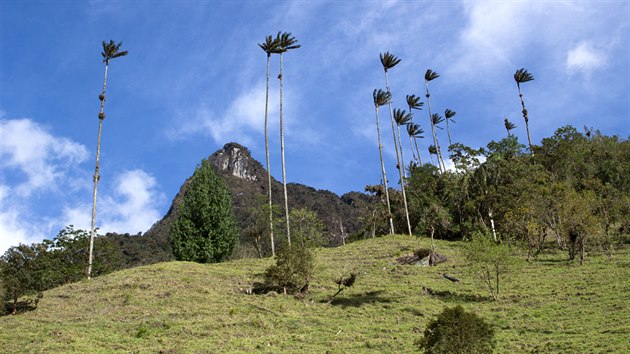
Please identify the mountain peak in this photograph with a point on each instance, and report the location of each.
(235, 159)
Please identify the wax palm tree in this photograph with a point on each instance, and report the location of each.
(382, 98)
(508, 126)
(110, 51)
(414, 130)
(520, 76)
(388, 61)
(401, 117)
(431, 75)
(433, 151)
(269, 46)
(284, 43)
(435, 120)
(413, 102)
(448, 115)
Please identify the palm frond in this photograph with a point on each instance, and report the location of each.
(432, 149)
(449, 113)
(401, 116)
(285, 42)
(431, 75)
(414, 102)
(415, 131)
(508, 125)
(270, 45)
(521, 75)
(111, 50)
(389, 60)
(436, 119)
(381, 97)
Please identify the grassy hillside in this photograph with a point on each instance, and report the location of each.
(548, 305)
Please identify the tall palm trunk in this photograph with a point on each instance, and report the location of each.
(380, 153)
(448, 131)
(402, 157)
(526, 118)
(413, 152)
(415, 142)
(97, 177)
(398, 159)
(284, 173)
(273, 247)
(438, 153)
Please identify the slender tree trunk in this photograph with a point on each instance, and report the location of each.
(448, 131)
(402, 157)
(435, 143)
(97, 177)
(417, 150)
(284, 172)
(273, 247)
(401, 166)
(380, 153)
(526, 117)
(413, 153)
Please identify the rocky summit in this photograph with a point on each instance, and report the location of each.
(246, 179)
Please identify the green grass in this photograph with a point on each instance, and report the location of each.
(548, 305)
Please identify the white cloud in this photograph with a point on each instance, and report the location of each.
(132, 207)
(244, 115)
(41, 156)
(584, 58)
(40, 171)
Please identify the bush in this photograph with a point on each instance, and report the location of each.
(457, 331)
(490, 260)
(204, 230)
(293, 269)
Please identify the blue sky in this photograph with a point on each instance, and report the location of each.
(194, 80)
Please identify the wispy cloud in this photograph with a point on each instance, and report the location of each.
(585, 59)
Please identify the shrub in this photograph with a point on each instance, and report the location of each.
(456, 331)
(490, 260)
(293, 269)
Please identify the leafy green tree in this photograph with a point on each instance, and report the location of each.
(21, 272)
(490, 260)
(110, 51)
(521, 76)
(308, 229)
(389, 61)
(269, 46)
(456, 331)
(382, 98)
(284, 43)
(204, 229)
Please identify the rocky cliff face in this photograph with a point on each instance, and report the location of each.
(247, 181)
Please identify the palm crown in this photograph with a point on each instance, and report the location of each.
(381, 97)
(508, 125)
(270, 45)
(415, 131)
(414, 102)
(449, 114)
(431, 75)
(401, 117)
(521, 75)
(285, 42)
(436, 119)
(389, 60)
(111, 51)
